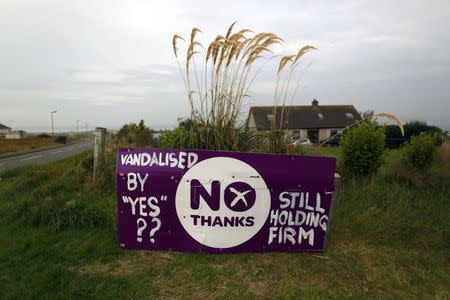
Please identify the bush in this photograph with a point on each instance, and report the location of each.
(418, 153)
(133, 134)
(62, 139)
(43, 136)
(362, 148)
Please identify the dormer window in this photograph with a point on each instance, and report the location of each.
(349, 115)
(320, 116)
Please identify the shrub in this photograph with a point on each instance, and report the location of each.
(43, 136)
(418, 153)
(362, 148)
(133, 134)
(62, 139)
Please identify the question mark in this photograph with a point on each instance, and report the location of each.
(140, 228)
(155, 229)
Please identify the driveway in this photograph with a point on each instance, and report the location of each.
(45, 156)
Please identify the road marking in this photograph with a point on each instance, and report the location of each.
(33, 157)
(54, 152)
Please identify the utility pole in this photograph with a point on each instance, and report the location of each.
(51, 116)
(78, 121)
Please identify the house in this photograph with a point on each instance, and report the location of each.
(4, 129)
(314, 122)
(15, 135)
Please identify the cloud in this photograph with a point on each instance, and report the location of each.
(112, 62)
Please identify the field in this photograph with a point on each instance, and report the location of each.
(58, 237)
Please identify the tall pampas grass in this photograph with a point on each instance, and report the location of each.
(218, 77)
(216, 94)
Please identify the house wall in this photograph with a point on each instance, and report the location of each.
(303, 133)
(288, 134)
(324, 134)
(3, 131)
(14, 135)
(251, 122)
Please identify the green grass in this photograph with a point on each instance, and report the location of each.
(58, 239)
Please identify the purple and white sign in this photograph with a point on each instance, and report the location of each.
(222, 202)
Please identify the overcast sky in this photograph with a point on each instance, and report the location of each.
(110, 62)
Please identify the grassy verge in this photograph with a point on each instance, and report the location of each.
(58, 239)
(26, 144)
(33, 143)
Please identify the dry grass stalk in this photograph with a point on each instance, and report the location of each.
(392, 117)
(228, 61)
(284, 91)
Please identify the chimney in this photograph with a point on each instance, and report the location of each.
(315, 103)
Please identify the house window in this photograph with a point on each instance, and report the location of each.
(270, 117)
(296, 134)
(333, 132)
(349, 115)
(320, 116)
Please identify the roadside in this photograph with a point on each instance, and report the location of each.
(54, 146)
(35, 143)
(42, 156)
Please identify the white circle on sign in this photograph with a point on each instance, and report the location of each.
(211, 221)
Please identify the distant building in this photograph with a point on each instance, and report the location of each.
(15, 135)
(4, 129)
(314, 122)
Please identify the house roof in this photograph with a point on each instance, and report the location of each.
(305, 116)
(3, 126)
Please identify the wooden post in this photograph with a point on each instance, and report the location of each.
(99, 154)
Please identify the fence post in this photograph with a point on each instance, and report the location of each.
(99, 154)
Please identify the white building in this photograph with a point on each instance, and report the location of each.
(4, 129)
(15, 135)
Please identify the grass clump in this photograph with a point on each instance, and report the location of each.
(362, 148)
(193, 135)
(59, 216)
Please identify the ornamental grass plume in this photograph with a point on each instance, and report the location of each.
(218, 77)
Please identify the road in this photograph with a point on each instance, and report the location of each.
(45, 156)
